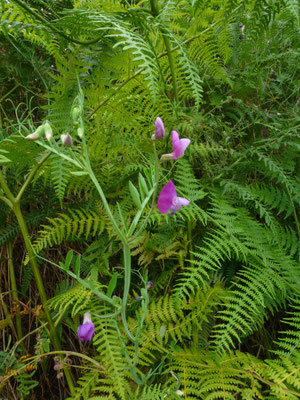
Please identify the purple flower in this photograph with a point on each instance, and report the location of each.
(85, 331)
(241, 37)
(241, 25)
(150, 284)
(179, 146)
(159, 129)
(168, 199)
(138, 298)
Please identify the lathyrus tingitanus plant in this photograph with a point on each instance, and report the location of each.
(75, 152)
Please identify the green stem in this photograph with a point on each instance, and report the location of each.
(190, 239)
(295, 214)
(14, 203)
(157, 166)
(36, 272)
(10, 198)
(126, 248)
(9, 92)
(155, 12)
(14, 290)
(127, 276)
(30, 176)
(40, 286)
(107, 208)
(172, 66)
(139, 71)
(7, 320)
(89, 170)
(59, 352)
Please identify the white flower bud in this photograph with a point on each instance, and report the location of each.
(32, 136)
(37, 134)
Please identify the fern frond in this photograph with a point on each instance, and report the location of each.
(73, 226)
(73, 300)
(289, 342)
(60, 171)
(85, 385)
(108, 347)
(245, 307)
(153, 392)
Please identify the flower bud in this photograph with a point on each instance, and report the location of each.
(67, 140)
(32, 136)
(159, 129)
(75, 114)
(37, 134)
(80, 132)
(85, 331)
(48, 131)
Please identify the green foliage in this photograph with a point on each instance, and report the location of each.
(68, 227)
(225, 268)
(206, 377)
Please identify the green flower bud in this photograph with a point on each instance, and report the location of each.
(80, 131)
(48, 131)
(37, 134)
(76, 114)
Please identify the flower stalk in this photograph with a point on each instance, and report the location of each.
(14, 204)
(155, 12)
(14, 290)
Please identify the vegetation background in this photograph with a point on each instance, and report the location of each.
(223, 319)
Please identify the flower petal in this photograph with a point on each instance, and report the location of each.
(166, 197)
(85, 331)
(184, 144)
(159, 128)
(175, 137)
(179, 145)
(183, 201)
(179, 202)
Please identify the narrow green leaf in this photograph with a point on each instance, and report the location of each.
(143, 186)
(122, 217)
(135, 195)
(112, 284)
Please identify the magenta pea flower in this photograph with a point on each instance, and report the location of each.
(179, 147)
(150, 284)
(168, 199)
(85, 331)
(159, 129)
